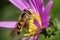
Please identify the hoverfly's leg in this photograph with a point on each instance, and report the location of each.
(26, 30)
(27, 23)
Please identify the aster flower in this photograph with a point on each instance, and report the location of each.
(39, 11)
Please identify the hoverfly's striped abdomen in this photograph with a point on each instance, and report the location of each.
(19, 27)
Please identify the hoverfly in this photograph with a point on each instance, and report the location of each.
(23, 18)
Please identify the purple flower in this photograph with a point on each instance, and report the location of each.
(32, 5)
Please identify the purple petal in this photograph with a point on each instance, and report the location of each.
(35, 37)
(45, 24)
(48, 6)
(24, 38)
(46, 16)
(8, 24)
(39, 6)
(26, 3)
(34, 2)
(42, 3)
(32, 38)
(36, 23)
(29, 38)
(45, 21)
(19, 4)
(33, 5)
(43, 9)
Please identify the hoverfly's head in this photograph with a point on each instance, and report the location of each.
(27, 11)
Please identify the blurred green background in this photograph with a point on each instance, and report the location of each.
(9, 12)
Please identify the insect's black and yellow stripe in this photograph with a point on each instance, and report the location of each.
(20, 26)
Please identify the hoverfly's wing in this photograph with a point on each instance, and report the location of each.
(13, 32)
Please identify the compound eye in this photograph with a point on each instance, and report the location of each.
(24, 10)
(29, 12)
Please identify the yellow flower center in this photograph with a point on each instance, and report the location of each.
(33, 30)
